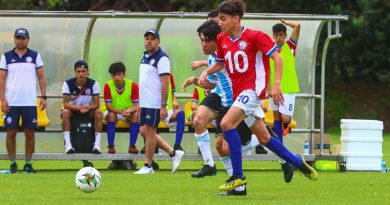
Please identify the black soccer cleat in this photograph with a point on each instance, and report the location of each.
(288, 172)
(13, 168)
(28, 169)
(206, 170)
(260, 150)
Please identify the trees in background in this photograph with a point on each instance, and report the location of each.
(362, 54)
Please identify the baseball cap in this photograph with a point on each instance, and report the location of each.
(81, 64)
(153, 32)
(21, 32)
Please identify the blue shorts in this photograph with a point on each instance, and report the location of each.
(149, 116)
(28, 114)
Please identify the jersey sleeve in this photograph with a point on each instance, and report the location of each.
(3, 63)
(195, 96)
(293, 45)
(164, 65)
(264, 43)
(172, 81)
(38, 62)
(134, 93)
(96, 88)
(107, 93)
(65, 89)
(219, 53)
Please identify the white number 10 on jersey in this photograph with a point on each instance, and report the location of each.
(234, 63)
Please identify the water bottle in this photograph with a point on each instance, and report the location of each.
(306, 148)
(383, 166)
(5, 171)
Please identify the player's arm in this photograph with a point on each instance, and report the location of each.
(195, 99)
(217, 66)
(198, 64)
(4, 104)
(134, 98)
(276, 92)
(95, 97)
(175, 104)
(95, 104)
(164, 78)
(66, 100)
(194, 80)
(42, 86)
(296, 29)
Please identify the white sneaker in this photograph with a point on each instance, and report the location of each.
(176, 160)
(96, 149)
(69, 149)
(145, 170)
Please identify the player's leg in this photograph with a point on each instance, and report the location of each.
(229, 123)
(179, 117)
(134, 130)
(111, 119)
(209, 110)
(98, 117)
(259, 129)
(149, 120)
(66, 115)
(203, 117)
(176, 155)
(223, 150)
(29, 122)
(287, 111)
(11, 124)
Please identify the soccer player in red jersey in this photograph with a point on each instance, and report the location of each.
(245, 53)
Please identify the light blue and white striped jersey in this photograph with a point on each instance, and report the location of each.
(224, 84)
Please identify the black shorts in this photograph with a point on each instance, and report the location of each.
(243, 130)
(213, 102)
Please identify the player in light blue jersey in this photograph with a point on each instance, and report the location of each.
(214, 106)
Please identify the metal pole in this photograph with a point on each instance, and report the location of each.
(323, 60)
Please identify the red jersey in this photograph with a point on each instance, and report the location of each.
(246, 59)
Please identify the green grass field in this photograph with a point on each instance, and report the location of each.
(54, 184)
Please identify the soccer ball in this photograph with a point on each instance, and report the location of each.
(88, 179)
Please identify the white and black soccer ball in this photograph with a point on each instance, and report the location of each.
(88, 179)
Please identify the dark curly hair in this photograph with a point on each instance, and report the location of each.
(210, 30)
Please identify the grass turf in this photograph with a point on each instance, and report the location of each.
(54, 184)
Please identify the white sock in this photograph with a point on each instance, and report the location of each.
(227, 163)
(254, 141)
(245, 148)
(203, 141)
(97, 138)
(67, 138)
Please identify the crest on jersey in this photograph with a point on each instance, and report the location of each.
(242, 45)
(151, 62)
(28, 59)
(88, 91)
